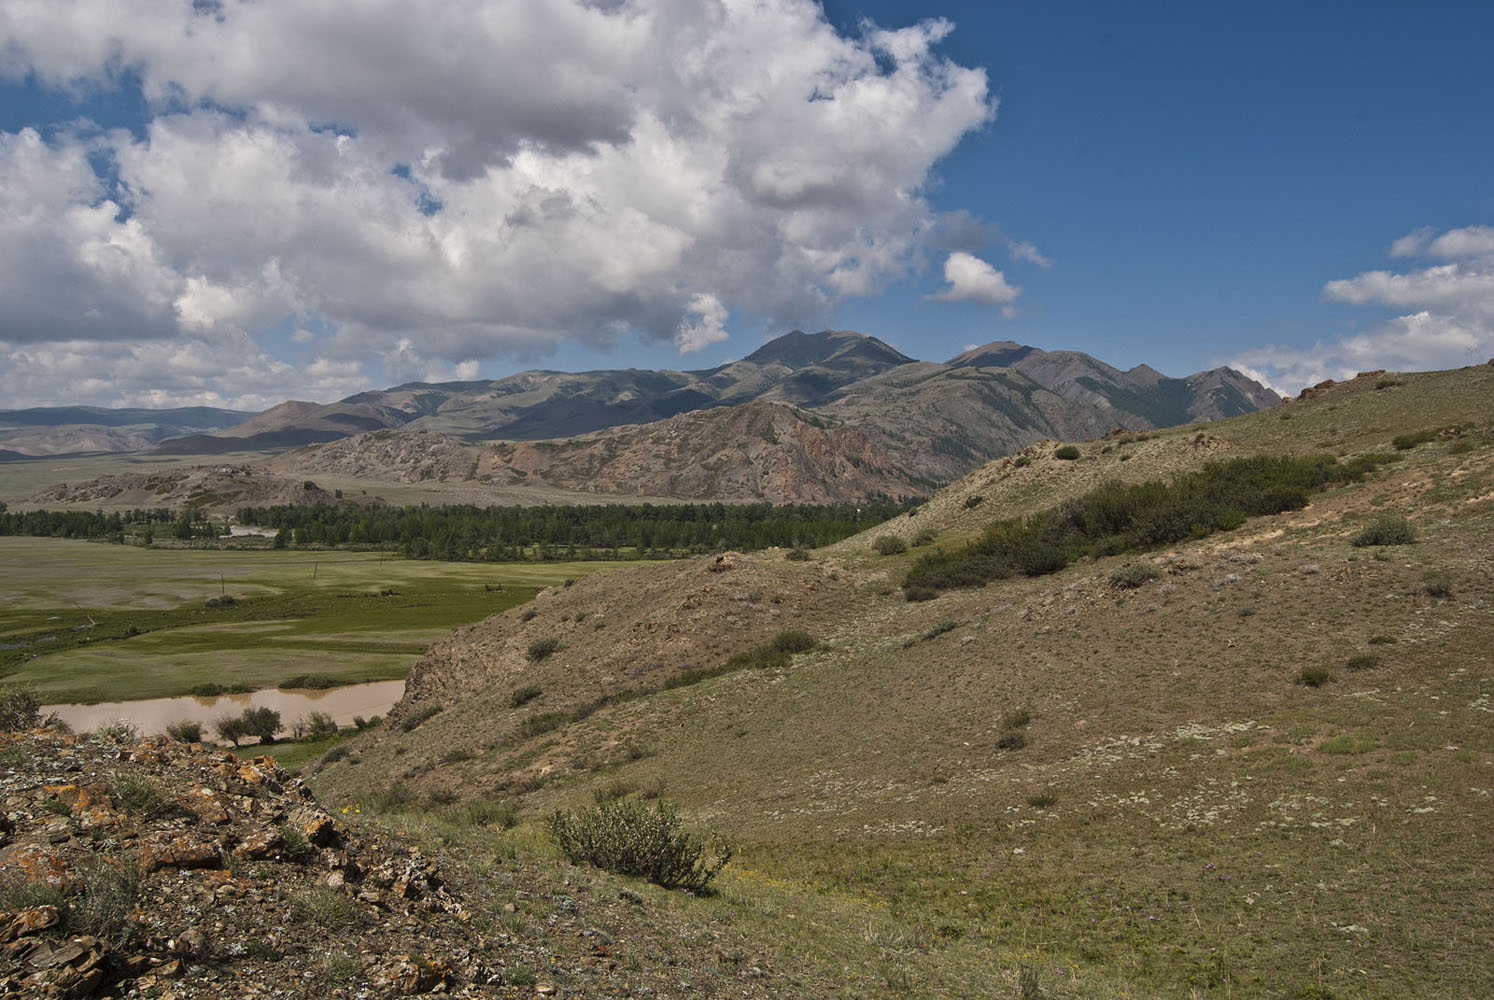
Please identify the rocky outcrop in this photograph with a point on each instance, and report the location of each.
(160, 869)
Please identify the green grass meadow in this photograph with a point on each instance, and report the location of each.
(84, 622)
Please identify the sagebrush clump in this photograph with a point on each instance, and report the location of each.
(541, 648)
(1387, 529)
(629, 838)
(1133, 575)
(889, 545)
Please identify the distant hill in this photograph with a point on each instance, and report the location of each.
(64, 430)
(754, 451)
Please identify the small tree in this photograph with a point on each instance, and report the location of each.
(262, 722)
(230, 727)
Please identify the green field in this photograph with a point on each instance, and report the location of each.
(89, 622)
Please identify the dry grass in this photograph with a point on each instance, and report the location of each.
(1183, 819)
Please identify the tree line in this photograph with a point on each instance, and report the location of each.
(465, 532)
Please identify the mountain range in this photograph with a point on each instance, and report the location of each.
(819, 417)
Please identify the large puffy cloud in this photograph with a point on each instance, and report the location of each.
(471, 178)
(1446, 315)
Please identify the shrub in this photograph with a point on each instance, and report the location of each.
(544, 722)
(797, 555)
(919, 593)
(772, 655)
(630, 838)
(146, 796)
(1012, 739)
(186, 731)
(924, 537)
(1133, 575)
(1118, 517)
(1067, 453)
(1042, 800)
(541, 648)
(19, 707)
(1387, 529)
(947, 625)
(118, 731)
(424, 714)
(1313, 676)
(889, 545)
(1438, 583)
(524, 695)
(1017, 718)
(1405, 442)
(313, 682)
(335, 754)
(529, 615)
(1364, 661)
(972, 502)
(213, 689)
(318, 724)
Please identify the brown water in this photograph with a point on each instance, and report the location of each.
(153, 715)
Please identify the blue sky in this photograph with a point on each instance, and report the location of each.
(236, 205)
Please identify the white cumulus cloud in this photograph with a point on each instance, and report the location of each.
(1446, 315)
(970, 279)
(479, 178)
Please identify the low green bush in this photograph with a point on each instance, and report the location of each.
(630, 838)
(1405, 442)
(524, 695)
(889, 545)
(1387, 529)
(310, 682)
(539, 649)
(1067, 453)
(1133, 575)
(544, 722)
(1313, 676)
(428, 712)
(797, 555)
(1364, 661)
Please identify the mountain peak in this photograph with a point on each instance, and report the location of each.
(798, 349)
(996, 354)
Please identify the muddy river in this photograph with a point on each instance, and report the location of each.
(153, 715)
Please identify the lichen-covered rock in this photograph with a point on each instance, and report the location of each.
(167, 850)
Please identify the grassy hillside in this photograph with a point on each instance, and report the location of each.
(1256, 763)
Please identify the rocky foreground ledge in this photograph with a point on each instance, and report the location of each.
(158, 869)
